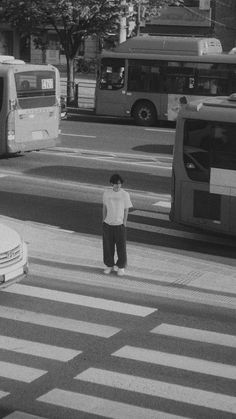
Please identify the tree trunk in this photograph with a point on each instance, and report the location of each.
(70, 80)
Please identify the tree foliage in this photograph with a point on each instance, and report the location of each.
(72, 20)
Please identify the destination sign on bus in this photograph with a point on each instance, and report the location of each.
(47, 84)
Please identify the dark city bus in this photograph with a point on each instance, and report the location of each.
(204, 165)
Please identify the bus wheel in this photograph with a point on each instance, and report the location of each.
(144, 113)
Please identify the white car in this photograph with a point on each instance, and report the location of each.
(13, 257)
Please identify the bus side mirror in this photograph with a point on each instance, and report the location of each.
(12, 104)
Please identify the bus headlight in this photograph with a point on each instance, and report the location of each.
(11, 135)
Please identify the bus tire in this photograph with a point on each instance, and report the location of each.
(144, 113)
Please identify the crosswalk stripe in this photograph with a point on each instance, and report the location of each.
(195, 334)
(100, 406)
(57, 322)
(37, 349)
(3, 394)
(181, 234)
(149, 214)
(81, 300)
(19, 372)
(177, 361)
(162, 389)
(22, 415)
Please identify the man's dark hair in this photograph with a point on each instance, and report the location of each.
(114, 179)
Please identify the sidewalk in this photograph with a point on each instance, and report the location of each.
(152, 271)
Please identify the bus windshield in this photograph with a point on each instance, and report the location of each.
(208, 144)
(35, 88)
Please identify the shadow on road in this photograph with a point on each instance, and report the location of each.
(84, 217)
(133, 180)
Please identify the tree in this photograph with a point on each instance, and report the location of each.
(72, 20)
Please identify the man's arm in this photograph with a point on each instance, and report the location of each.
(104, 212)
(126, 212)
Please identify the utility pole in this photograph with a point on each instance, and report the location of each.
(123, 23)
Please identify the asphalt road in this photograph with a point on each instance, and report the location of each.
(69, 349)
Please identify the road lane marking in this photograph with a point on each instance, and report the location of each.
(181, 234)
(22, 415)
(37, 349)
(164, 204)
(56, 322)
(19, 373)
(172, 131)
(101, 406)
(161, 389)
(80, 300)
(199, 335)
(78, 135)
(177, 361)
(149, 214)
(3, 394)
(114, 159)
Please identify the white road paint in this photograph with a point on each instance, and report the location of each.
(181, 234)
(37, 349)
(172, 131)
(80, 300)
(100, 406)
(199, 335)
(22, 415)
(56, 322)
(3, 394)
(156, 388)
(164, 204)
(19, 372)
(186, 363)
(150, 214)
(78, 135)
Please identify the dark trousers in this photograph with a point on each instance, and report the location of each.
(114, 238)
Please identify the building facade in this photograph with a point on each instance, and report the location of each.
(197, 17)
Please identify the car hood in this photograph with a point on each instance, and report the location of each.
(8, 238)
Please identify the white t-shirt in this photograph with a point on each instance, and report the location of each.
(116, 203)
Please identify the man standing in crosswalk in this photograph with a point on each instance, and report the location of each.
(116, 204)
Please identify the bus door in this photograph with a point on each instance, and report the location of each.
(110, 91)
(34, 121)
(3, 114)
(206, 192)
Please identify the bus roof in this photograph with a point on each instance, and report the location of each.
(216, 58)
(170, 45)
(18, 65)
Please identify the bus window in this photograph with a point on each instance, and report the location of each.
(1, 92)
(143, 76)
(112, 74)
(214, 79)
(224, 146)
(35, 89)
(196, 150)
(179, 78)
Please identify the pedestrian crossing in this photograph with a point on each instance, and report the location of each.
(135, 379)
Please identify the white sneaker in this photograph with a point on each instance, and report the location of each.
(115, 268)
(120, 272)
(107, 270)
